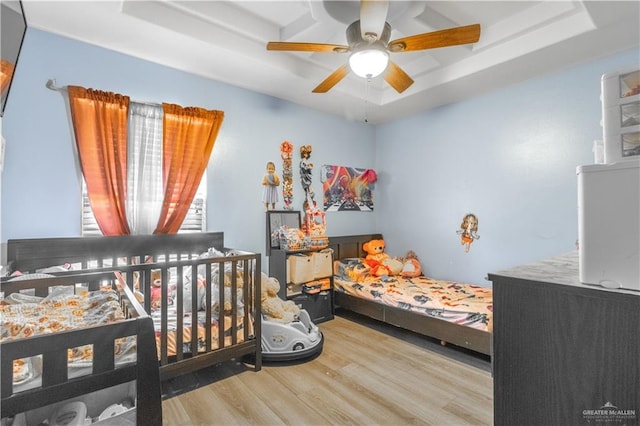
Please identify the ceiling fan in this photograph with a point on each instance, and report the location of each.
(369, 45)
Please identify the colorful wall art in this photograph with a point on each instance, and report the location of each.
(347, 188)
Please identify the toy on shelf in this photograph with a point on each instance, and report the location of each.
(291, 238)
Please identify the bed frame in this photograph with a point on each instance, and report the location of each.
(140, 254)
(56, 384)
(445, 331)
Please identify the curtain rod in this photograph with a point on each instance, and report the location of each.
(51, 85)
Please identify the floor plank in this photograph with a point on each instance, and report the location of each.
(367, 374)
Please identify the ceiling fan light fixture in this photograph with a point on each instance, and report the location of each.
(369, 63)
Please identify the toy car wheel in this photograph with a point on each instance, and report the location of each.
(298, 346)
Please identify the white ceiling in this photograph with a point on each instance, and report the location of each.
(226, 41)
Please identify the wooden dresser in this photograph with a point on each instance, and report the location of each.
(564, 353)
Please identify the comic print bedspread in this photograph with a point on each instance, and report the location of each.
(465, 304)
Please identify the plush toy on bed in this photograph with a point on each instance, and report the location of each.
(380, 262)
(411, 265)
(273, 307)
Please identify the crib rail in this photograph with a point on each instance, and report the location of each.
(56, 382)
(226, 298)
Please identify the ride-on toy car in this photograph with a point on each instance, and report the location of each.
(298, 339)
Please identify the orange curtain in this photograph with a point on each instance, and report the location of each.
(188, 138)
(100, 125)
(6, 71)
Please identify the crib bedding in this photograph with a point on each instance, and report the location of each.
(74, 312)
(464, 304)
(23, 316)
(218, 274)
(187, 327)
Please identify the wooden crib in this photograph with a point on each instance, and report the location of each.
(204, 298)
(50, 377)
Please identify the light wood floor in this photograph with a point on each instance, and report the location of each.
(367, 374)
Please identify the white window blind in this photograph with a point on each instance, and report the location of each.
(194, 221)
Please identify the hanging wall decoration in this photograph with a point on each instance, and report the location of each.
(286, 149)
(270, 183)
(306, 172)
(468, 230)
(347, 188)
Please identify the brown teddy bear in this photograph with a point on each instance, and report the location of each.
(375, 250)
(379, 262)
(273, 307)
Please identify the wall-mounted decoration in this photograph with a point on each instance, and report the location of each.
(306, 173)
(270, 182)
(347, 188)
(468, 230)
(286, 149)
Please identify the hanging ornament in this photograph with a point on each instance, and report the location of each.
(286, 150)
(468, 230)
(306, 172)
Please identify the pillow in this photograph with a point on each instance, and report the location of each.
(351, 269)
(23, 277)
(57, 268)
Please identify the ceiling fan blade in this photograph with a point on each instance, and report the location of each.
(373, 15)
(397, 78)
(306, 47)
(442, 38)
(332, 80)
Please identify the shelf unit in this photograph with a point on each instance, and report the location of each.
(318, 305)
(621, 114)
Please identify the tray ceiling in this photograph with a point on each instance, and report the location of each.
(225, 41)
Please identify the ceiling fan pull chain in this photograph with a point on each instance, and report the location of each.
(367, 82)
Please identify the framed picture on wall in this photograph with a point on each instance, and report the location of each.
(276, 219)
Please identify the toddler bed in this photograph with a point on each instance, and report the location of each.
(202, 297)
(452, 312)
(76, 337)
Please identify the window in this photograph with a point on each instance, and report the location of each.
(195, 221)
(144, 178)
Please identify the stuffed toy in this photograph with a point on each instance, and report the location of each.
(156, 290)
(411, 266)
(376, 257)
(375, 250)
(393, 265)
(274, 308)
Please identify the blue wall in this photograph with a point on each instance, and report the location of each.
(509, 156)
(41, 182)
